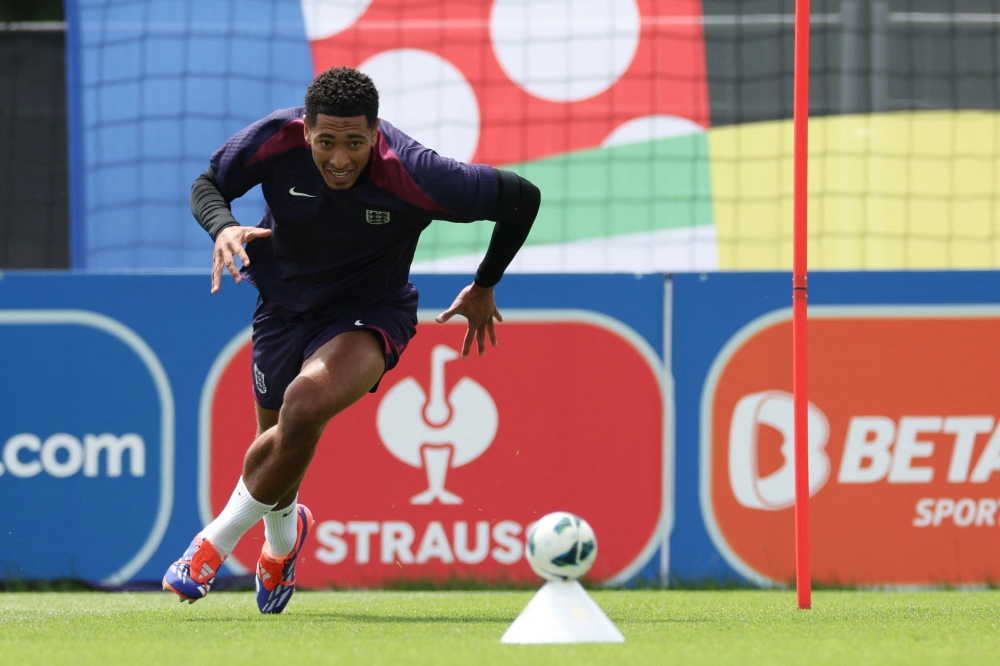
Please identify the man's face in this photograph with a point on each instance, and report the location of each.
(341, 147)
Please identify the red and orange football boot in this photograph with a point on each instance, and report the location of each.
(276, 575)
(191, 577)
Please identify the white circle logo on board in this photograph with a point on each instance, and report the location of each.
(776, 490)
(427, 97)
(565, 50)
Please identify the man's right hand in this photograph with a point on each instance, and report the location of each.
(229, 243)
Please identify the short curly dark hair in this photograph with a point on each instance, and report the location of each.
(344, 92)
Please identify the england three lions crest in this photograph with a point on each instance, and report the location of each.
(377, 216)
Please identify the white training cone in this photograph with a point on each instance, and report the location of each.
(562, 612)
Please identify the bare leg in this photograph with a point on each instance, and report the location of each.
(267, 419)
(332, 379)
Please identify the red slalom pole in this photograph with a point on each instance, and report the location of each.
(803, 581)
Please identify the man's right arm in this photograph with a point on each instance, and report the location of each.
(239, 165)
(209, 206)
(234, 169)
(212, 211)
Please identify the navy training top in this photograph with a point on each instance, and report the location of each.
(343, 246)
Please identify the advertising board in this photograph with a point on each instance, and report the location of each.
(127, 408)
(96, 422)
(903, 440)
(439, 473)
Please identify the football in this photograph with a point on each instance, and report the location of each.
(561, 546)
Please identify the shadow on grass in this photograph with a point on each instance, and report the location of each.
(362, 617)
(378, 618)
(54, 585)
(15, 584)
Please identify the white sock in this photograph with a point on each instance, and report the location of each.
(281, 526)
(241, 513)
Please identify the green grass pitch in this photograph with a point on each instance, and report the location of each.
(661, 627)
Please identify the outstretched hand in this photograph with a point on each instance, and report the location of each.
(229, 243)
(476, 304)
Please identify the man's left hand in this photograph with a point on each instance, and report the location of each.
(476, 304)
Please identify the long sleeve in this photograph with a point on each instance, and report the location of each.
(515, 211)
(209, 206)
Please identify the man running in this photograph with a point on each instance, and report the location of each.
(347, 197)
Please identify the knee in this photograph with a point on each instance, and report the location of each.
(305, 410)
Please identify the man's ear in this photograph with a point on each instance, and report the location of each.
(375, 129)
(305, 129)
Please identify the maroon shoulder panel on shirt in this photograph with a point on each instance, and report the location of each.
(288, 137)
(389, 173)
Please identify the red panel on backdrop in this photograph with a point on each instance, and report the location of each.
(439, 473)
(903, 443)
(665, 77)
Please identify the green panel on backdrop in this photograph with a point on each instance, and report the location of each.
(640, 187)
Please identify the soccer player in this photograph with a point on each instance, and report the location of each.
(347, 197)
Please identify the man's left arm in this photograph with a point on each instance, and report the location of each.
(515, 210)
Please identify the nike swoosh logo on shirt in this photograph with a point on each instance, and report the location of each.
(300, 194)
(358, 323)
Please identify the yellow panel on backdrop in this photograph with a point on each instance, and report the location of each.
(894, 190)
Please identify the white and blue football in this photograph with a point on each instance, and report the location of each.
(561, 546)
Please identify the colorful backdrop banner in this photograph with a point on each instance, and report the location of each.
(658, 131)
(601, 103)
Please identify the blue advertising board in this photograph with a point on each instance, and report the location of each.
(102, 380)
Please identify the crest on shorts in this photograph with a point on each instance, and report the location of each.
(258, 378)
(377, 216)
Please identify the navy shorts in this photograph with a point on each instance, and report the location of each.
(281, 344)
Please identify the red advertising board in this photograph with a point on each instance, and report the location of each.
(440, 472)
(903, 439)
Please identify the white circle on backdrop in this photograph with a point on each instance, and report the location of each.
(650, 128)
(426, 96)
(564, 50)
(324, 18)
